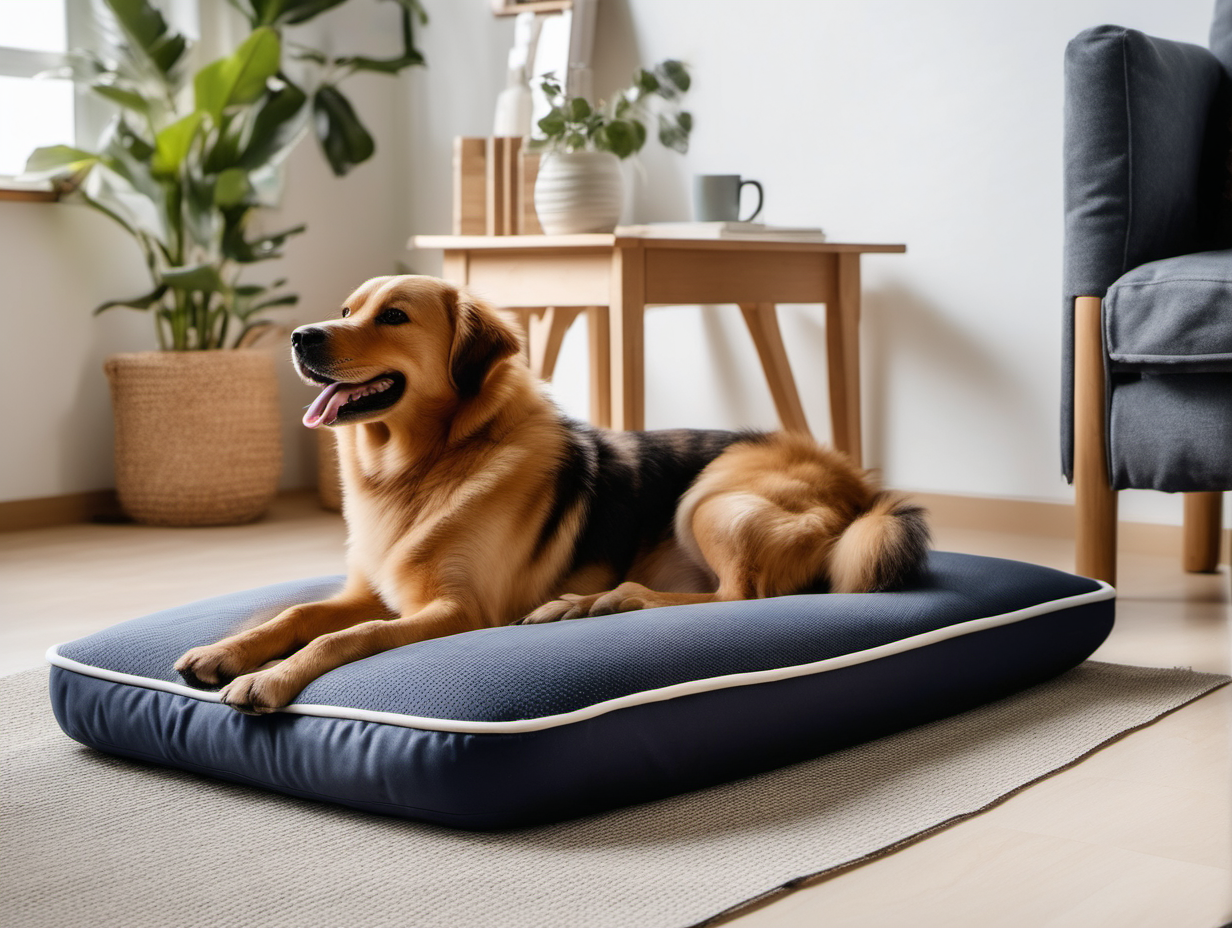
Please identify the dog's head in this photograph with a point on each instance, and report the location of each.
(401, 342)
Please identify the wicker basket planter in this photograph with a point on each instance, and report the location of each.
(196, 435)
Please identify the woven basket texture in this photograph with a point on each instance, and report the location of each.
(197, 435)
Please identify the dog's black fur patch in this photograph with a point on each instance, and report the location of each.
(626, 486)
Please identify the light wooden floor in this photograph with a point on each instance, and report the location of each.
(1137, 835)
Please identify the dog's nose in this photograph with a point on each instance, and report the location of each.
(307, 336)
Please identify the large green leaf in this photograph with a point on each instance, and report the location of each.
(130, 99)
(410, 54)
(138, 302)
(129, 155)
(57, 161)
(238, 248)
(343, 138)
(223, 146)
(147, 30)
(299, 11)
(276, 125)
(203, 277)
(171, 145)
(239, 78)
(231, 188)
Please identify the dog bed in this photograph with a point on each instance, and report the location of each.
(528, 724)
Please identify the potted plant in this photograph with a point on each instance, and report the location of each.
(183, 167)
(580, 187)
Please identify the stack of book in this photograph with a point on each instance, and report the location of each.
(723, 230)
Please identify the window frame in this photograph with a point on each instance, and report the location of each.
(88, 117)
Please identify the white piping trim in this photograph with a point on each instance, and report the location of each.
(463, 726)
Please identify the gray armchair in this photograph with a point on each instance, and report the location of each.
(1147, 384)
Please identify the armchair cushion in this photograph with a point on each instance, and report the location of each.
(1171, 432)
(1172, 315)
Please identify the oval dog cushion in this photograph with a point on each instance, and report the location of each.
(528, 724)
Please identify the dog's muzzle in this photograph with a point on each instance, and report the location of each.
(308, 343)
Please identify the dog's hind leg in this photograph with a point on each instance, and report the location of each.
(762, 520)
(750, 545)
(245, 651)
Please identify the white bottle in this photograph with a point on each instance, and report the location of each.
(515, 103)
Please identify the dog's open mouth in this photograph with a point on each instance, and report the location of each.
(340, 401)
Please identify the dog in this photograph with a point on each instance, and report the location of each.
(471, 501)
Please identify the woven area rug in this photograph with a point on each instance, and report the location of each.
(87, 839)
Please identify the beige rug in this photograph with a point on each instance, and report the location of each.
(86, 839)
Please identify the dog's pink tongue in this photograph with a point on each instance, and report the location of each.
(324, 409)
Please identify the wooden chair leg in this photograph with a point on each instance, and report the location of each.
(1203, 527)
(764, 327)
(1096, 529)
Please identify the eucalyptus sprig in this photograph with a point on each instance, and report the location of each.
(619, 126)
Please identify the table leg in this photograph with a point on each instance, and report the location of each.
(627, 337)
(843, 354)
(545, 331)
(600, 366)
(763, 325)
(455, 267)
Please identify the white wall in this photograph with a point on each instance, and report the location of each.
(934, 124)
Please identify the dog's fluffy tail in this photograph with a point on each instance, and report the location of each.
(884, 548)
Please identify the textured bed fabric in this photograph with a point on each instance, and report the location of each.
(527, 724)
(1144, 148)
(1172, 315)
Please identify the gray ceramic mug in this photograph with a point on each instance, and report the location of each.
(716, 198)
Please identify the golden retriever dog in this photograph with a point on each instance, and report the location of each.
(471, 501)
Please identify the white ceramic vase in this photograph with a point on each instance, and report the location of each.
(579, 191)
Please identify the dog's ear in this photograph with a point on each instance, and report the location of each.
(480, 339)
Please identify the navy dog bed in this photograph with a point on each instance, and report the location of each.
(528, 724)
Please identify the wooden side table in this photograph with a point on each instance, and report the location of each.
(549, 280)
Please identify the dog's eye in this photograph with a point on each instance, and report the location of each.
(346, 311)
(392, 317)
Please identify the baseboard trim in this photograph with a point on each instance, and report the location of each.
(980, 513)
(48, 511)
(1051, 520)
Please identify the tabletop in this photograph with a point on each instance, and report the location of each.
(597, 240)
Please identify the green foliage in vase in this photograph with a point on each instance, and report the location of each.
(189, 158)
(575, 124)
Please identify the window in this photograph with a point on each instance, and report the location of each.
(34, 111)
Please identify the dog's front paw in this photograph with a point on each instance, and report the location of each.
(569, 606)
(625, 598)
(259, 693)
(209, 666)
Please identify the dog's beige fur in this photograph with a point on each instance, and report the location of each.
(457, 517)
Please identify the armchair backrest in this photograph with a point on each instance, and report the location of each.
(1144, 119)
(1146, 155)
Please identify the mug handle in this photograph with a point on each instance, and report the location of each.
(760, 198)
